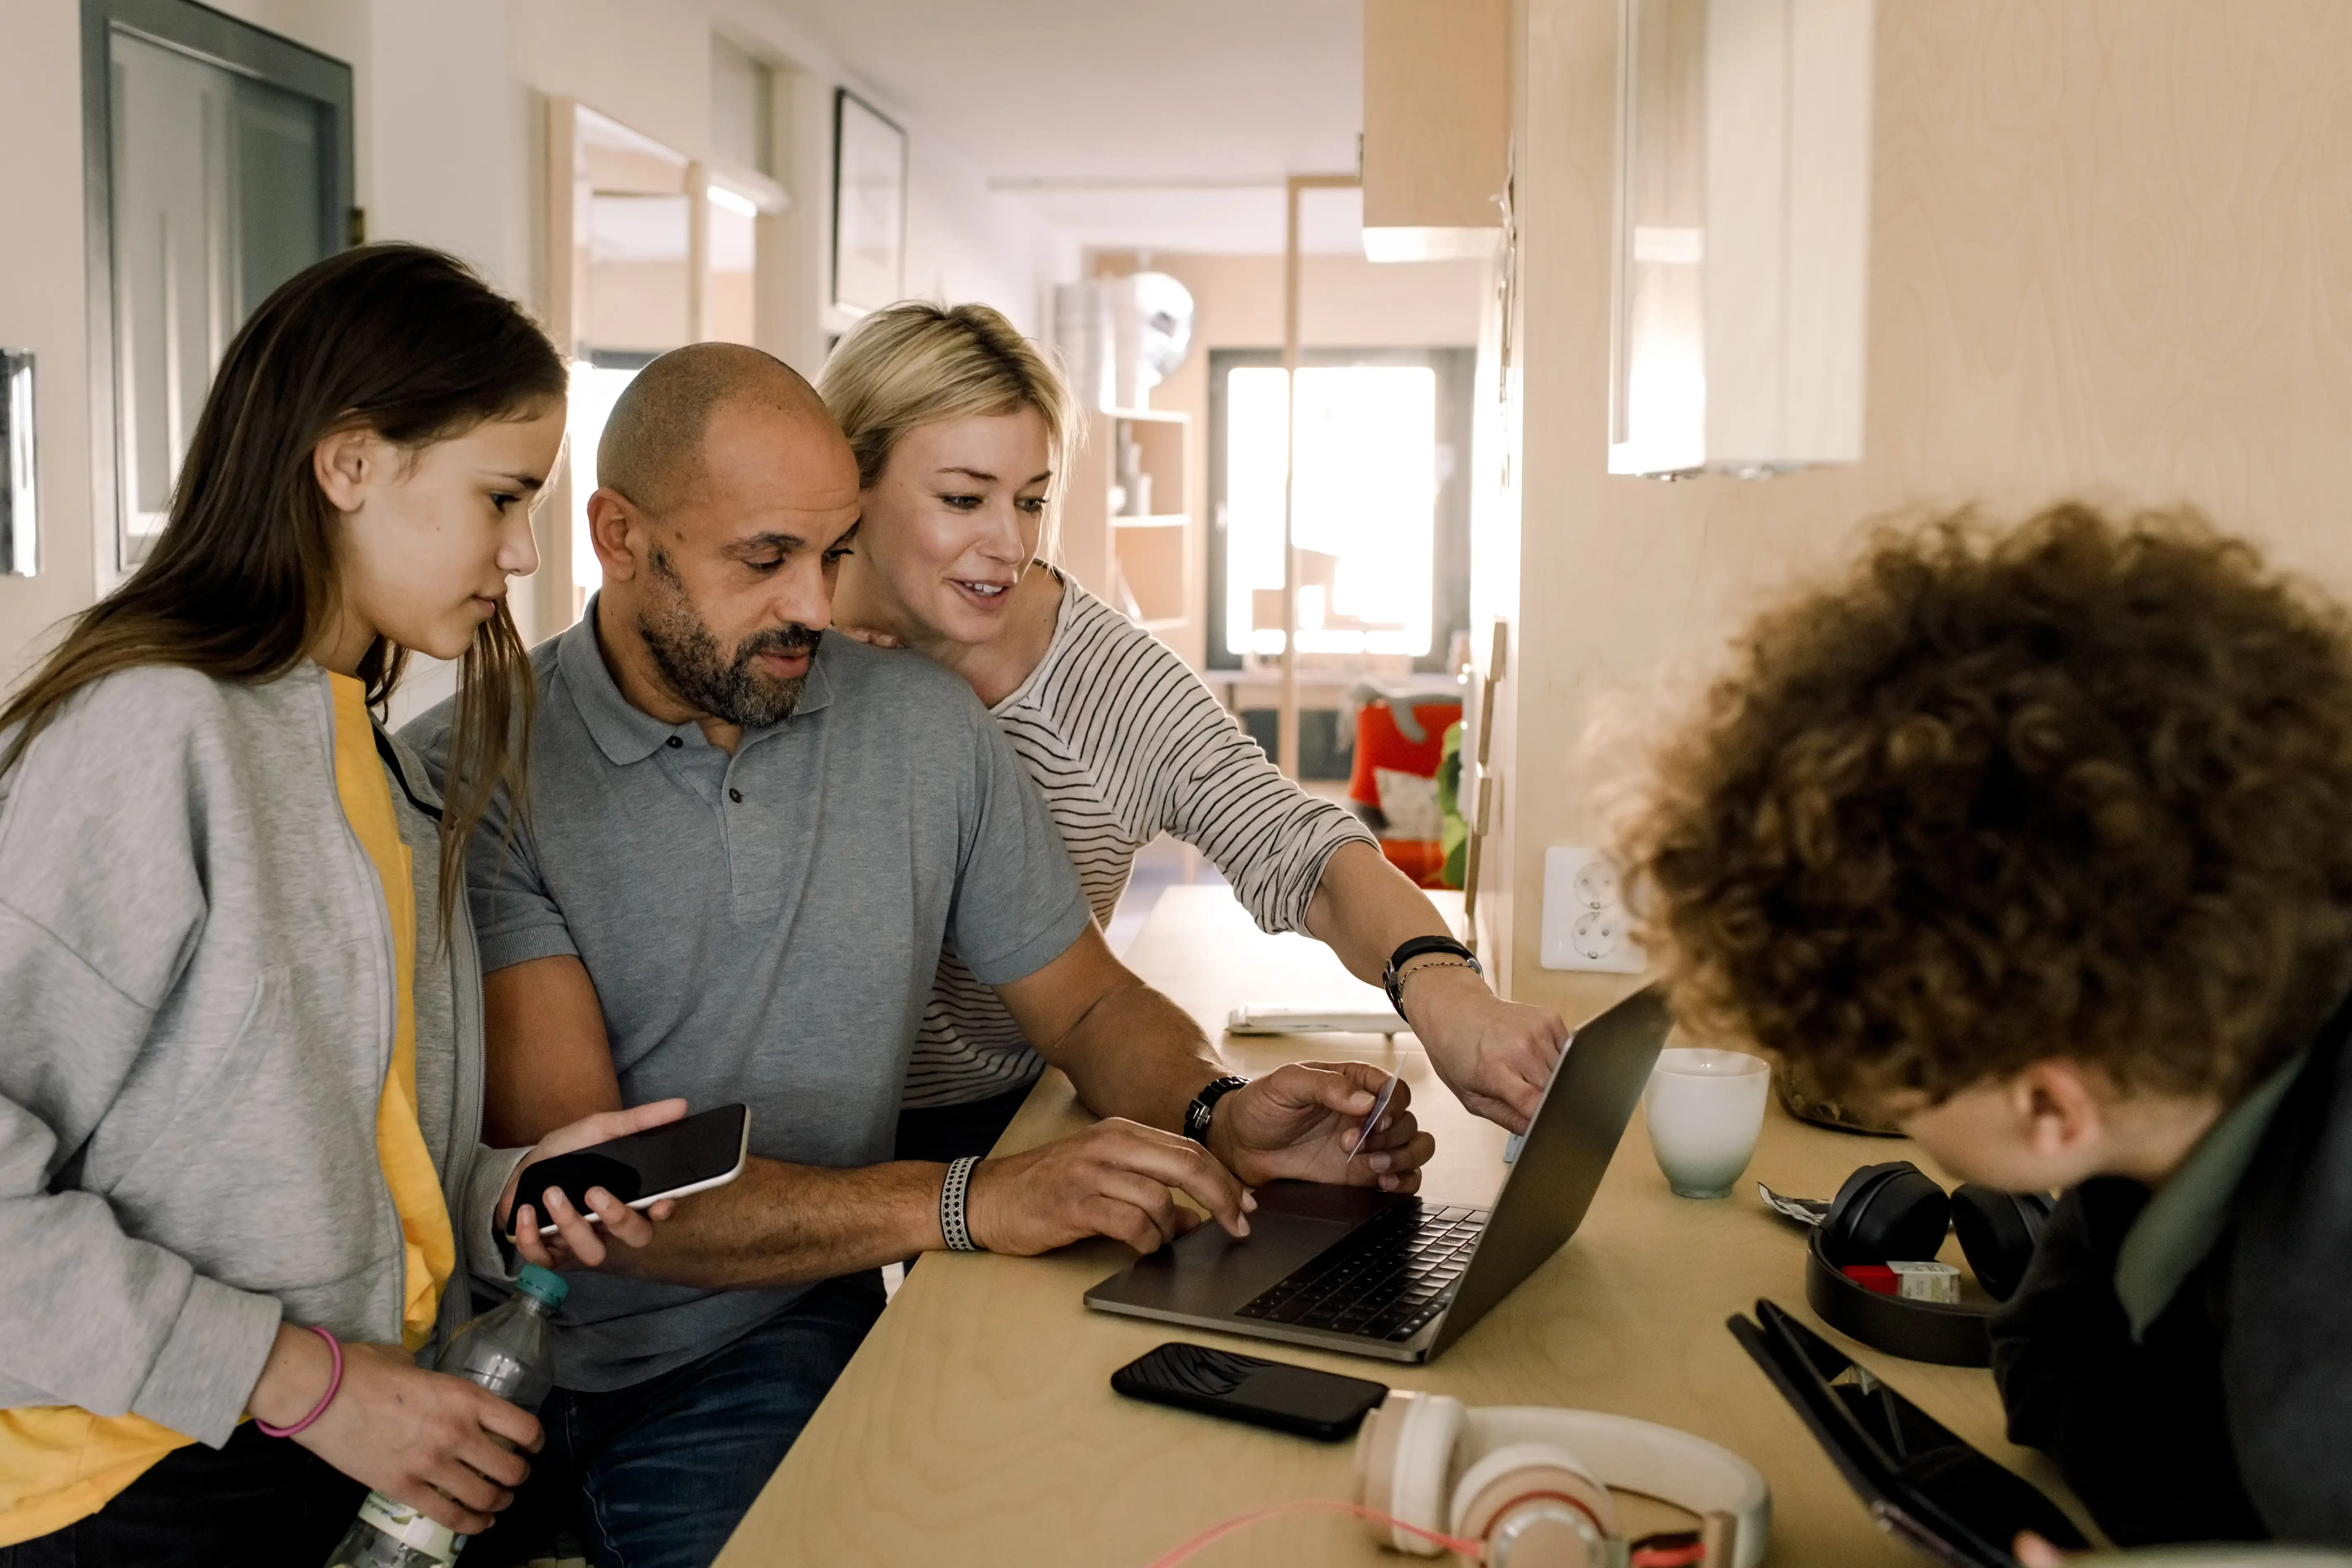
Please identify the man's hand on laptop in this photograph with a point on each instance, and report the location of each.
(1118, 1178)
(1301, 1120)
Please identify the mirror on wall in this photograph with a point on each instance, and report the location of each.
(219, 165)
(20, 532)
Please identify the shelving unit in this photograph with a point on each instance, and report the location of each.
(1133, 550)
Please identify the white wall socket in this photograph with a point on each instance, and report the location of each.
(1585, 924)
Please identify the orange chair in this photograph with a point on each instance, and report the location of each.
(1401, 735)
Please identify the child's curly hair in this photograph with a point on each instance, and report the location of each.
(2084, 790)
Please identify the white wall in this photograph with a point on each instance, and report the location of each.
(442, 148)
(966, 242)
(450, 100)
(650, 67)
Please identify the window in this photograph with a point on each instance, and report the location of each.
(1381, 511)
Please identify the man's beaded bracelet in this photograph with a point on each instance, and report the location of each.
(955, 1203)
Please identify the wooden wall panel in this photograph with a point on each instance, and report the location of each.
(1436, 112)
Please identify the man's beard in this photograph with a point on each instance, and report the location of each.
(700, 673)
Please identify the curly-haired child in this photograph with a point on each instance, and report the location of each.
(2040, 846)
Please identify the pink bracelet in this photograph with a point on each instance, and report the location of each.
(333, 1385)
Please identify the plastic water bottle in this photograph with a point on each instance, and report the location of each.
(505, 1351)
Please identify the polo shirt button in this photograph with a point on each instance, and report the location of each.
(676, 741)
(736, 795)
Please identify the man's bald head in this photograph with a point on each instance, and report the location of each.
(652, 447)
(725, 494)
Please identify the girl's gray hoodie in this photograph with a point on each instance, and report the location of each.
(197, 1015)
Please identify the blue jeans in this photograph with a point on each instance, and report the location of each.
(657, 1475)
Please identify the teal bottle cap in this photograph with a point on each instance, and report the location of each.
(542, 1284)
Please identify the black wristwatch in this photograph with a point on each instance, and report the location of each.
(1204, 1106)
(1421, 947)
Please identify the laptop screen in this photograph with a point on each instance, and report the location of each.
(1595, 1088)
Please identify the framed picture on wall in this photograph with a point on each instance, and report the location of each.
(869, 206)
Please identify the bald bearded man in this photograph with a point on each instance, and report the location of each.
(746, 845)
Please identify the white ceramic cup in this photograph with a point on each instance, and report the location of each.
(1705, 1109)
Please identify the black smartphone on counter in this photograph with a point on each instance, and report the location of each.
(1299, 1399)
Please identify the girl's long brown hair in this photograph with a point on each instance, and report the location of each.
(396, 339)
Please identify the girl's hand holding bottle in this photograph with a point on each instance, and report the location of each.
(442, 1445)
(439, 1444)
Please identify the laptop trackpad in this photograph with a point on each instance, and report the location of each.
(1210, 1273)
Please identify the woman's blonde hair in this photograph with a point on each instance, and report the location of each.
(916, 363)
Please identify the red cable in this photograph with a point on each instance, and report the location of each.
(1474, 1550)
(1668, 1548)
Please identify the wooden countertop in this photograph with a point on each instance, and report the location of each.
(976, 1427)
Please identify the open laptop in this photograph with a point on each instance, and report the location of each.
(1396, 1277)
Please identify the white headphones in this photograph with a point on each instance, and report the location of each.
(1533, 1483)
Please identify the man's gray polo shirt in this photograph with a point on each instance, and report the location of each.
(763, 927)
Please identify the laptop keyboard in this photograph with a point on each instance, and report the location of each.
(1385, 1280)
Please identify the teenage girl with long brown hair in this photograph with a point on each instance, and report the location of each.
(240, 1018)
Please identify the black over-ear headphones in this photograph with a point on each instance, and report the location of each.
(1894, 1211)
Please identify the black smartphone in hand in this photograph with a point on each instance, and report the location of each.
(1299, 1399)
(690, 1156)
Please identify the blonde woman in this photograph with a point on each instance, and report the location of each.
(963, 430)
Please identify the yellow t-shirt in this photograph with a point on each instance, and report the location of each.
(400, 1149)
(59, 1463)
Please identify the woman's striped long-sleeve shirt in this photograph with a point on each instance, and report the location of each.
(1128, 745)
